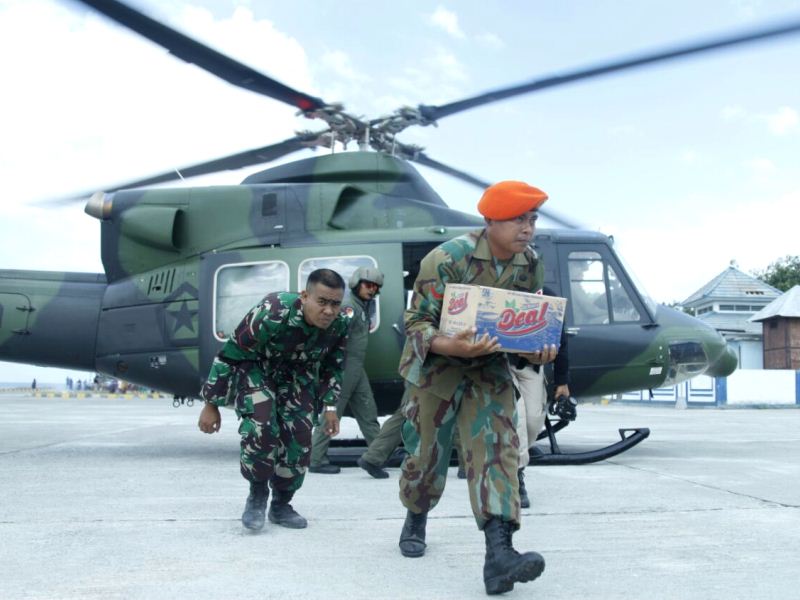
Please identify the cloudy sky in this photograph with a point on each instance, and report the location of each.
(690, 165)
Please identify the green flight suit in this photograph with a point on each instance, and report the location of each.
(356, 391)
(272, 370)
(475, 394)
(389, 437)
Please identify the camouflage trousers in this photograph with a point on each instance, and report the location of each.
(486, 422)
(276, 435)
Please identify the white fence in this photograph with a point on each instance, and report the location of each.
(745, 387)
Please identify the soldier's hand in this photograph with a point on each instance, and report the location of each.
(562, 390)
(331, 423)
(210, 420)
(464, 344)
(541, 357)
(564, 407)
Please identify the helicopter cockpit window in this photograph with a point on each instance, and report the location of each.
(597, 294)
(239, 287)
(587, 288)
(344, 265)
(623, 309)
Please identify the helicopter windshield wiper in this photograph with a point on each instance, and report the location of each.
(431, 113)
(204, 57)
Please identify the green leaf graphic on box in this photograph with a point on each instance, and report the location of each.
(511, 303)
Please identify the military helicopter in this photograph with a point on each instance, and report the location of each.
(182, 265)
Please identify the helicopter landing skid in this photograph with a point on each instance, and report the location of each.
(629, 437)
(346, 455)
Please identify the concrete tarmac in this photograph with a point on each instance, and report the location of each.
(116, 498)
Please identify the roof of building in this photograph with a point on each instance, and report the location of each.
(733, 284)
(731, 323)
(787, 305)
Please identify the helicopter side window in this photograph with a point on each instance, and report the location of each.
(239, 287)
(344, 266)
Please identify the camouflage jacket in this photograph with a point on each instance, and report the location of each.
(465, 259)
(275, 336)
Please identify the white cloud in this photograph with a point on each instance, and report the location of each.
(783, 121)
(490, 40)
(689, 156)
(448, 65)
(623, 130)
(447, 21)
(440, 79)
(340, 64)
(730, 113)
(761, 166)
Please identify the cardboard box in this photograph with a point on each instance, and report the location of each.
(521, 322)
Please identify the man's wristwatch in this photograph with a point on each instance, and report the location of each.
(329, 408)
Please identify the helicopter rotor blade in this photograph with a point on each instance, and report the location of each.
(433, 113)
(227, 163)
(424, 159)
(204, 57)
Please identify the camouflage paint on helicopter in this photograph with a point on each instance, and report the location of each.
(171, 258)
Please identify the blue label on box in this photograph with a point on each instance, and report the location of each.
(522, 326)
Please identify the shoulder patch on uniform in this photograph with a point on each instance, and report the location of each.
(348, 312)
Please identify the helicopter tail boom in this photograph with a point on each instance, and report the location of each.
(49, 318)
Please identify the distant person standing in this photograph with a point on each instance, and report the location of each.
(33, 384)
(287, 353)
(365, 284)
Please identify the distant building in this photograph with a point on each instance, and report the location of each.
(780, 320)
(726, 303)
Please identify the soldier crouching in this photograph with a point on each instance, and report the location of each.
(288, 351)
(465, 382)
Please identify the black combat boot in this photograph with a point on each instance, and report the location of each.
(327, 469)
(282, 513)
(412, 538)
(524, 501)
(374, 470)
(253, 515)
(505, 566)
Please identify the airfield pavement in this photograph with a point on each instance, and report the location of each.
(124, 498)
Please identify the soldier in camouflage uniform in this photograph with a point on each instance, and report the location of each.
(462, 381)
(286, 353)
(365, 283)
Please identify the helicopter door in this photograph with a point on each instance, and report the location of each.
(609, 326)
(14, 312)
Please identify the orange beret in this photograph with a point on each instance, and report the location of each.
(510, 199)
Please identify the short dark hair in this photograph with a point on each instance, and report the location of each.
(326, 277)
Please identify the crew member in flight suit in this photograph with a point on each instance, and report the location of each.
(365, 283)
